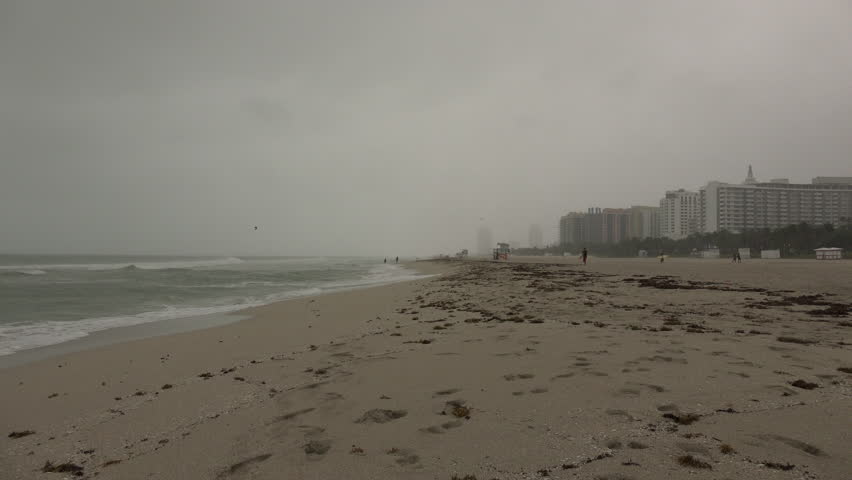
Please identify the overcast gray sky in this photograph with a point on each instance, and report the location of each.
(391, 127)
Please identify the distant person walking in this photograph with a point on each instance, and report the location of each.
(662, 256)
(386, 260)
(397, 259)
(584, 255)
(734, 259)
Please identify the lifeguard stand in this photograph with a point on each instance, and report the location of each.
(502, 251)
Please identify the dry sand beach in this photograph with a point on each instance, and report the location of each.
(622, 369)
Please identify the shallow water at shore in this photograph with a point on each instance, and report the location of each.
(51, 299)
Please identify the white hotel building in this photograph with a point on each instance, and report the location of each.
(778, 203)
(680, 214)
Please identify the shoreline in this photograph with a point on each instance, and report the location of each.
(616, 370)
(170, 326)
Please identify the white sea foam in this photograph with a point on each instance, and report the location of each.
(288, 260)
(21, 336)
(213, 262)
(377, 275)
(30, 272)
(16, 337)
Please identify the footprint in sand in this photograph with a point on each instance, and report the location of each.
(693, 448)
(619, 413)
(290, 416)
(311, 431)
(451, 424)
(662, 358)
(539, 390)
(442, 428)
(797, 444)
(628, 392)
(379, 415)
(243, 466)
(614, 444)
(448, 391)
(404, 456)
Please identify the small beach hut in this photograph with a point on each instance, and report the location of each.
(710, 253)
(745, 252)
(829, 253)
(770, 253)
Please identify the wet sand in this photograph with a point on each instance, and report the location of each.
(622, 369)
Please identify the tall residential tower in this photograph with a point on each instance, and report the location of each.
(680, 214)
(774, 204)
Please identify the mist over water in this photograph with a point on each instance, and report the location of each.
(50, 299)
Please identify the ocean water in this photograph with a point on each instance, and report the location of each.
(51, 299)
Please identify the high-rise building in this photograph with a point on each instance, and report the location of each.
(594, 226)
(644, 222)
(572, 229)
(536, 237)
(484, 241)
(680, 214)
(775, 204)
(615, 225)
(608, 225)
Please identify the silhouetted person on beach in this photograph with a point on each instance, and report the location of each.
(386, 260)
(585, 255)
(662, 257)
(397, 259)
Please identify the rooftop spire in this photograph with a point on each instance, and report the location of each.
(750, 180)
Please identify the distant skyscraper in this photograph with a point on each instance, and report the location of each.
(594, 226)
(484, 241)
(680, 214)
(608, 225)
(536, 237)
(644, 222)
(615, 225)
(572, 229)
